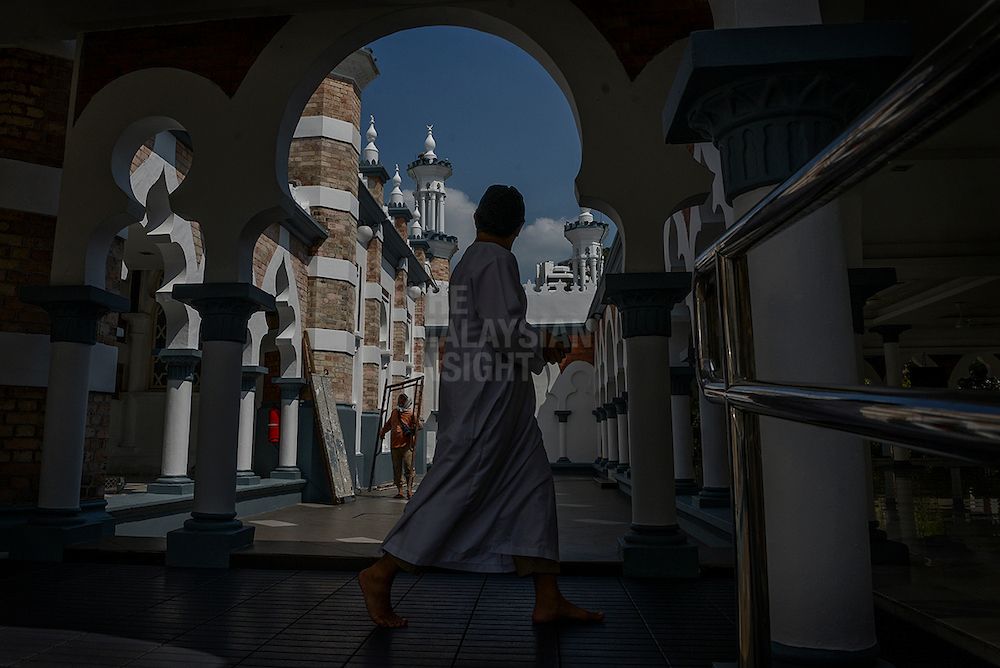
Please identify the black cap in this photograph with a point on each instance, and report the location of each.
(500, 211)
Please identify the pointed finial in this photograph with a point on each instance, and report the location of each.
(416, 229)
(396, 196)
(371, 151)
(430, 144)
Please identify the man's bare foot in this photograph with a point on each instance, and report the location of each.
(377, 589)
(560, 609)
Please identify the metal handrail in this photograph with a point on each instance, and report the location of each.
(963, 426)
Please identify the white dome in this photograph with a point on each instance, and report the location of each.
(429, 143)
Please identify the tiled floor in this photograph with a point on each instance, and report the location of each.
(117, 615)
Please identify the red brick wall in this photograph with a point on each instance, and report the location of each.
(336, 98)
(370, 395)
(440, 269)
(26, 241)
(23, 410)
(34, 105)
(343, 229)
(318, 161)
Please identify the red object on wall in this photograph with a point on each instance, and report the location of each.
(273, 426)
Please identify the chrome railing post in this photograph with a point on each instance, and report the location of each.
(749, 532)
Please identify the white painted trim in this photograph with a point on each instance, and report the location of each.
(418, 332)
(397, 368)
(332, 340)
(371, 355)
(24, 360)
(373, 291)
(329, 198)
(400, 315)
(334, 269)
(29, 187)
(330, 128)
(388, 282)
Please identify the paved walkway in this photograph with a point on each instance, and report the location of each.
(591, 520)
(127, 615)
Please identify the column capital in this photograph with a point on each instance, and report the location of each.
(74, 309)
(225, 308)
(610, 411)
(249, 376)
(291, 388)
(181, 362)
(865, 282)
(770, 98)
(599, 413)
(645, 299)
(890, 333)
(563, 415)
(680, 380)
(621, 404)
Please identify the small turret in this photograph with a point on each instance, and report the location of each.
(586, 235)
(370, 156)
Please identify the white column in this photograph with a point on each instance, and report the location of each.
(65, 426)
(245, 475)
(428, 203)
(288, 445)
(213, 531)
(176, 423)
(602, 436)
(680, 412)
(621, 407)
(563, 417)
(715, 477)
(802, 333)
(611, 426)
(592, 269)
(218, 430)
(440, 211)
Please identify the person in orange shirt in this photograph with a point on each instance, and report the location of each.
(404, 425)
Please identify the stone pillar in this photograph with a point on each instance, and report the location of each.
(213, 530)
(245, 475)
(715, 476)
(680, 413)
(57, 521)
(288, 446)
(600, 436)
(611, 434)
(563, 418)
(174, 479)
(893, 374)
(768, 118)
(655, 546)
(621, 407)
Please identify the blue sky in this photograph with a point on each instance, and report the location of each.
(497, 116)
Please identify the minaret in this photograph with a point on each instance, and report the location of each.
(588, 253)
(397, 209)
(370, 170)
(430, 174)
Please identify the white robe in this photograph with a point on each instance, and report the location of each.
(489, 495)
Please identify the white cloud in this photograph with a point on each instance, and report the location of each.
(540, 240)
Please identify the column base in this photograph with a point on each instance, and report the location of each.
(624, 470)
(562, 460)
(786, 656)
(685, 487)
(287, 473)
(49, 532)
(713, 497)
(657, 552)
(247, 478)
(174, 484)
(207, 541)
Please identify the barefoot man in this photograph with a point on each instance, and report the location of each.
(488, 504)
